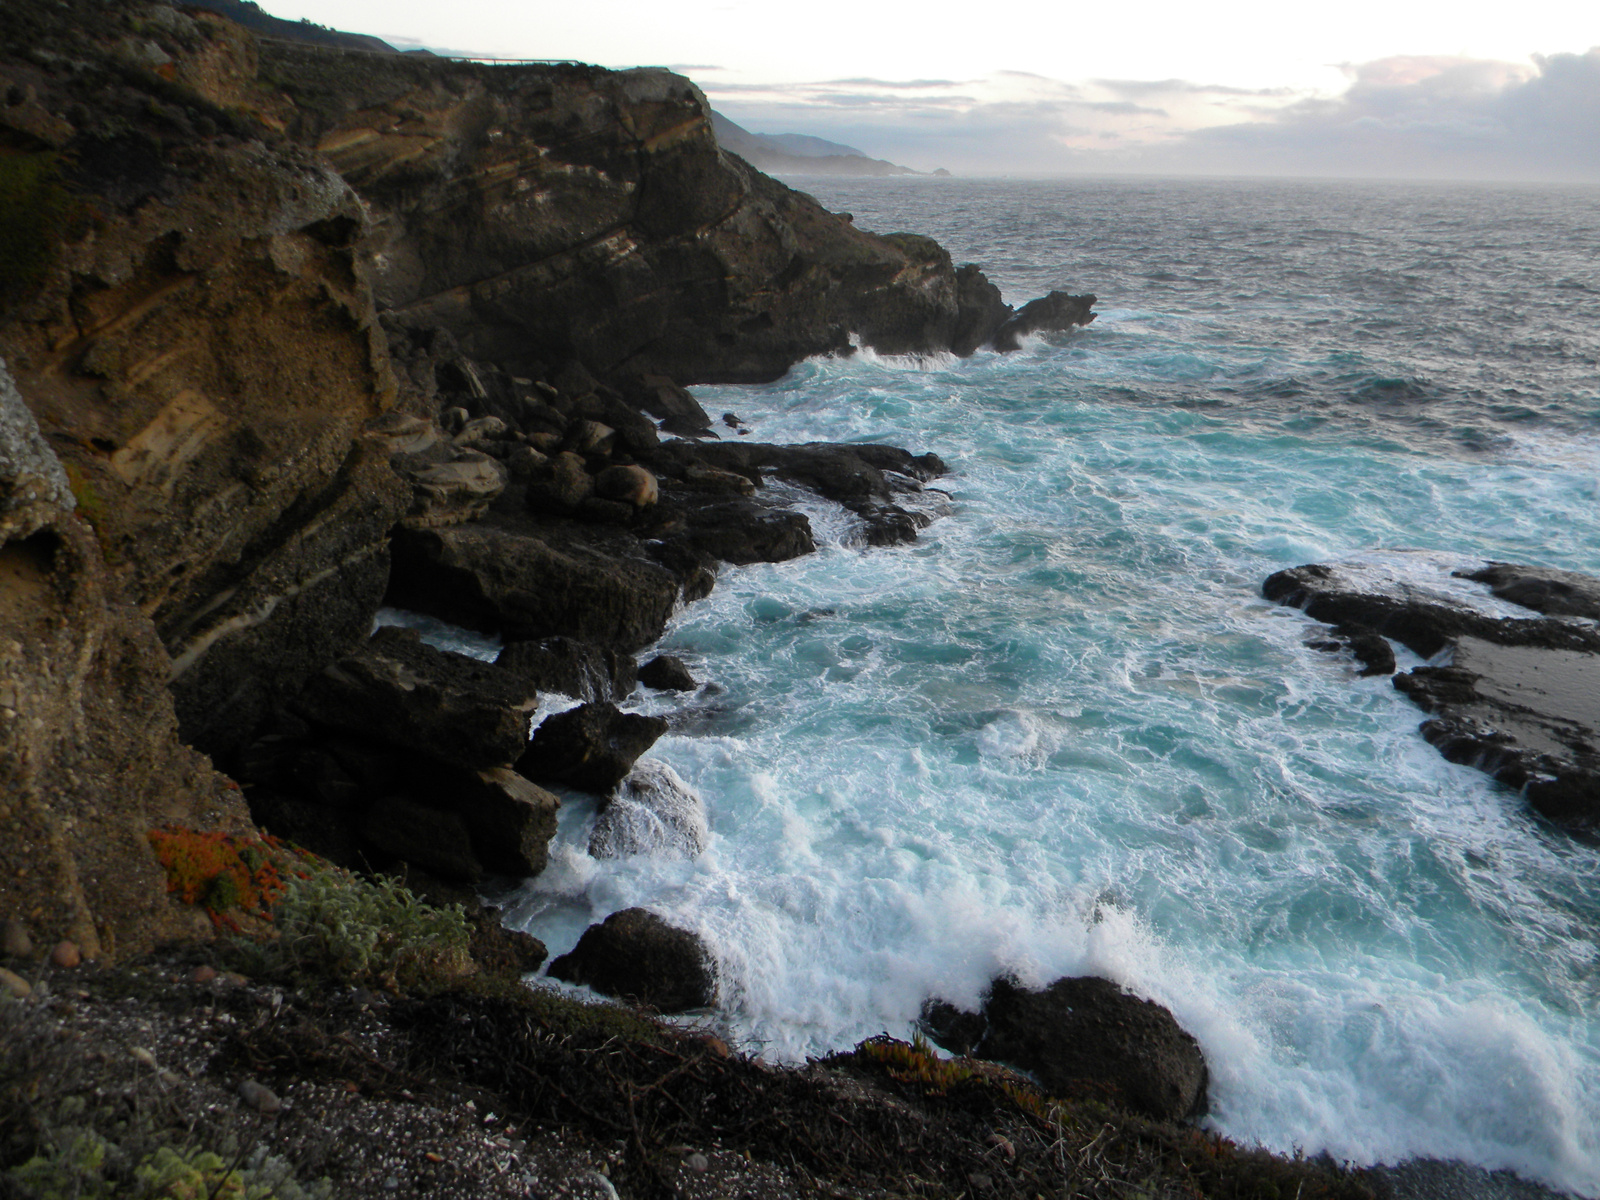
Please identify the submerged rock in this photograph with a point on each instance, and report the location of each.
(637, 956)
(654, 812)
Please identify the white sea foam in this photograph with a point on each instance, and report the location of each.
(1062, 733)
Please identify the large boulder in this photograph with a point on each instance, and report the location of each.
(1085, 1036)
(667, 672)
(865, 478)
(639, 957)
(591, 747)
(398, 689)
(530, 585)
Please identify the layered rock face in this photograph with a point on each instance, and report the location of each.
(90, 759)
(202, 353)
(547, 213)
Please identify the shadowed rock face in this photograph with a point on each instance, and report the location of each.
(1519, 698)
(395, 689)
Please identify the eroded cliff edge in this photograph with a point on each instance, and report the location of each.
(268, 305)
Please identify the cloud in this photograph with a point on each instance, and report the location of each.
(1429, 118)
(1413, 116)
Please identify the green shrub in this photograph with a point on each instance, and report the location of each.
(334, 924)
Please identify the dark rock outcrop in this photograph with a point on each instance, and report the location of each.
(1519, 698)
(639, 957)
(591, 747)
(549, 213)
(865, 478)
(1085, 1037)
(667, 672)
(581, 670)
(395, 688)
(530, 583)
(1543, 589)
(1048, 314)
(1370, 649)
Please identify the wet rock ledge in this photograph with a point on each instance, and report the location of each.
(1515, 696)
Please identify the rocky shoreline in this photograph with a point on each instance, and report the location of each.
(289, 333)
(1517, 697)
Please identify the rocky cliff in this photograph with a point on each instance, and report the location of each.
(267, 307)
(543, 213)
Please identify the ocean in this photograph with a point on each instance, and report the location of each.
(1063, 734)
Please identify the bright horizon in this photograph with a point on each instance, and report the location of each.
(1382, 90)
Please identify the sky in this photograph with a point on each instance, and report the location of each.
(1373, 88)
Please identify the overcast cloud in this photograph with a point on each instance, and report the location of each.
(1400, 117)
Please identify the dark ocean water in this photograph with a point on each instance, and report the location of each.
(1063, 733)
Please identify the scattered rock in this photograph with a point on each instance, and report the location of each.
(636, 955)
(14, 939)
(66, 955)
(630, 485)
(590, 438)
(259, 1097)
(567, 486)
(450, 486)
(591, 747)
(14, 985)
(667, 672)
(714, 479)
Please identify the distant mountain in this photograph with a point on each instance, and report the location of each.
(798, 153)
(251, 16)
(803, 145)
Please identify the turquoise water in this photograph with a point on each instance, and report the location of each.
(1062, 733)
